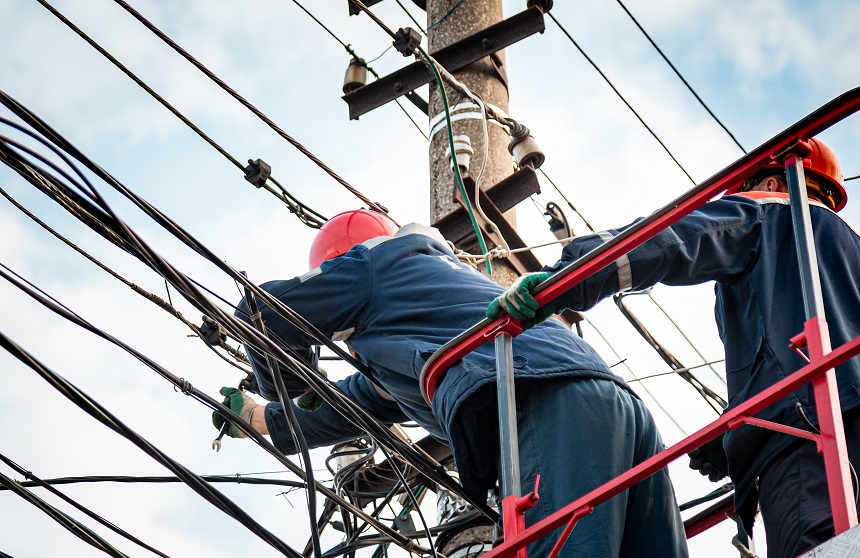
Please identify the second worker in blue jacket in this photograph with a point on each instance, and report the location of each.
(744, 243)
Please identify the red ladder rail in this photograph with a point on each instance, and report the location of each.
(820, 370)
(726, 180)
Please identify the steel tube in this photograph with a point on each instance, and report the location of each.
(509, 480)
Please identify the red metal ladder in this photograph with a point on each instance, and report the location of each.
(787, 148)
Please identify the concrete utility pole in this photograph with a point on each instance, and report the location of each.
(484, 78)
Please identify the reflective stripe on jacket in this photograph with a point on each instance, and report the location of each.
(745, 244)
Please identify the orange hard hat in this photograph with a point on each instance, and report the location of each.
(823, 174)
(345, 230)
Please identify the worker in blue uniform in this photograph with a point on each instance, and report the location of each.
(397, 298)
(744, 243)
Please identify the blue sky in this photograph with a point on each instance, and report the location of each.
(760, 66)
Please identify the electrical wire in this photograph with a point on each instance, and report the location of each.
(36, 481)
(305, 214)
(101, 414)
(409, 14)
(444, 16)
(158, 301)
(684, 335)
(620, 96)
(671, 372)
(677, 73)
(456, 167)
(352, 53)
(186, 388)
(714, 400)
(127, 240)
(125, 479)
(76, 528)
(223, 85)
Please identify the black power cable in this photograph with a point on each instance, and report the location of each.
(36, 481)
(237, 355)
(125, 479)
(104, 416)
(240, 329)
(188, 389)
(305, 214)
(126, 239)
(223, 85)
(620, 96)
(715, 400)
(74, 527)
(677, 73)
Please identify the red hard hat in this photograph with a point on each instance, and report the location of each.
(345, 230)
(823, 175)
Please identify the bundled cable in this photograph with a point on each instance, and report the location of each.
(99, 215)
(304, 213)
(104, 416)
(36, 481)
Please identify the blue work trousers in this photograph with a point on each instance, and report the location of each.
(795, 503)
(578, 434)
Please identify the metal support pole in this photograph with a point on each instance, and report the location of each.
(832, 442)
(806, 257)
(508, 441)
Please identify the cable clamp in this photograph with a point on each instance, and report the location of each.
(257, 172)
(407, 40)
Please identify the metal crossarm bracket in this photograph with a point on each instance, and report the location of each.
(454, 57)
(496, 200)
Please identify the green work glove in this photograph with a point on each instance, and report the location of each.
(310, 400)
(240, 404)
(519, 302)
(710, 459)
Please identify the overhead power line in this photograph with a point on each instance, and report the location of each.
(101, 414)
(104, 221)
(620, 96)
(674, 69)
(157, 300)
(74, 527)
(36, 481)
(232, 92)
(352, 53)
(303, 212)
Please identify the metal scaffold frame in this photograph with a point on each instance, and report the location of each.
(787, 148)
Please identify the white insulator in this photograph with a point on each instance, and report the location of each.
(463, 152)
(528, 152)
(356, 75)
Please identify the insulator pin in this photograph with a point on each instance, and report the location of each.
(356, 75)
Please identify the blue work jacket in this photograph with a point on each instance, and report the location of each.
(745, 244)
(394, 302)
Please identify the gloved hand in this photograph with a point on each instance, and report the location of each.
(240, 404)
(310, 400)
(519, 302)
(710, 459)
